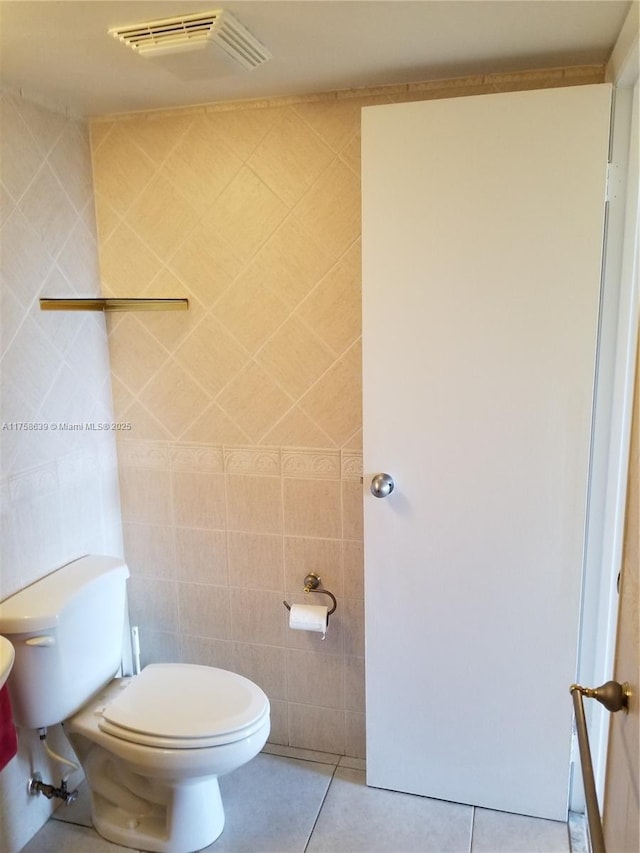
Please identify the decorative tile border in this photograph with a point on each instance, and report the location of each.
(32, 484)
(312, 464)
(144, 454)
(5, 496)
(563, 74)
(196, 457)
(351, 465)
(77, 467)
(249, 460)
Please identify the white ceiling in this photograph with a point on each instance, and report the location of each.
(60, 52)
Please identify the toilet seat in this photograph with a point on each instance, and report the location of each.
(185, 706)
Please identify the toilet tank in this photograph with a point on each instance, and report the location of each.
(67, 631)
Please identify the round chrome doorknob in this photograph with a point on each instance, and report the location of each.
(382, 485)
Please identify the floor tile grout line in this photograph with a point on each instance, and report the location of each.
(473, 822)
(315, 823)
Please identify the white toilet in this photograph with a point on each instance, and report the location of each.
(152, 746)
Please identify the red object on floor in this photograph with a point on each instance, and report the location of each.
(8, 737)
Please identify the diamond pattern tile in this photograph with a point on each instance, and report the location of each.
(173, 398)
(48, 209)
(254, 216)
(254, 401)
(157, 135)
(19, 150)
(163, 215)
(211, 356)
(290, 158)
(201, 166)
(247, 213)
(295, 356)
(121, 170)
(54, 365)
(127, 264)
(206, 264)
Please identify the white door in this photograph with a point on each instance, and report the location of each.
(482, 237)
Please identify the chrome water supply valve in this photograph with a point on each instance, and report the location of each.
(37, 786)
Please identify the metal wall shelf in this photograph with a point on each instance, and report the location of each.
(113, 304)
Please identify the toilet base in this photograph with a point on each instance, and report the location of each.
(132, 811)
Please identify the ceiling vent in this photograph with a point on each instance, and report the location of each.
(155, 39)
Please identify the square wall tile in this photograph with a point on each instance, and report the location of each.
(279, 722)
(351, 618)
(145, 496)
(314, 679)
(257, 617)
(353, 567)
(354, 684)
(199, 500)
(153, 603)
(352, 510)
(254, 504)
(256, 561)
(149, 550)
(201, 556)
(264, 665)
(320, 556)
(159, 646)
(320, 728)
(312, 508)
(355, 734)
(204, 610)
(207, 651)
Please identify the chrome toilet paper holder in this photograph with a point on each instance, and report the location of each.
(312, 583)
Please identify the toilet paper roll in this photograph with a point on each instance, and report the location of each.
(308, 617)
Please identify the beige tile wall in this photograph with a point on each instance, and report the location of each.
(58, 487)
(242, 469)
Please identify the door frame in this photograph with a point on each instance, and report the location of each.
(613, 403)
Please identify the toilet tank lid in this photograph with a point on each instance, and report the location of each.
(37, 607)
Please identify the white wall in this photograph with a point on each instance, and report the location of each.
(58, 487)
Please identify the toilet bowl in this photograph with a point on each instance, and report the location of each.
(152, 745)
(152, 748)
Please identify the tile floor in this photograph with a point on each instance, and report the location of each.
(294, 801)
